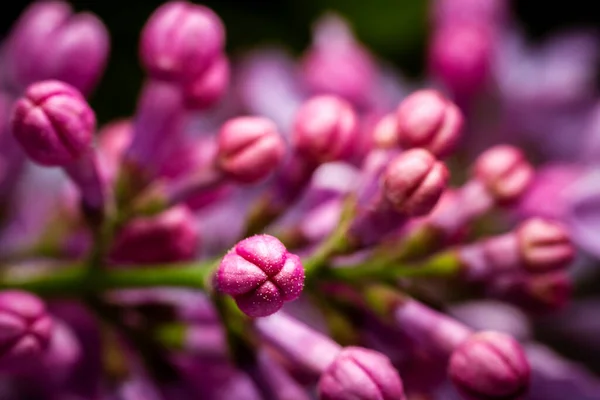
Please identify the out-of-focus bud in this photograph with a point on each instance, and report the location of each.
(261, 275)
(250, 148)
(325, 129)
(540, 293)
(469, 11)
(167, 237)
(181, 40)
(53, 123)
(113, 140)
(505, 172)
(414, 181)
(385, 132)
(544, 245)
(361, 374)
(427, 119)
(490, 365)
(209, 87)
(460, 56)
(25, 330)
(50, 42)
(337, 64)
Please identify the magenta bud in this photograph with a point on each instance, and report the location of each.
(544, 245)
(505, 172)
(209, 87)
(53, 123)
(427, 119)
(490, 365)
(414, 182)
(460, 56)
(170, 236)
(181, 40)
(360, 374)
(261, 275)
(25, 330)
(250, 148)
(325, 129)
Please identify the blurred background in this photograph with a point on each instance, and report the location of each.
(395, 30)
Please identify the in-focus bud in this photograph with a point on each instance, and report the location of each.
(180, 40)
(25, 330)
(208, 88)
(261, 275)
(414, 182)
(53, 123)
(170, 236)
(505, 172)
(361, 374)
(490, 365)
(325, 129)
(544, 245)
(250, 148)
(427, 119)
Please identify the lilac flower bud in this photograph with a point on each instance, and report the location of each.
(505, 172)
(25, 330)
(53, 123)
(180, 40)
(50, 42)
(167, 237)
(207, 89)
(261, 275)
(250, 148)
(414, 181)
(538, 293)
(469, 11)
(427, 119)
(490, 365)
(460, 56)
(544, 245)
(362, 374)
(337, 64)
(385, 132)
(325, 129)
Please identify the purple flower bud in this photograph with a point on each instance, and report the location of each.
(261, 275)
(505, 172)
(50, 42)
(427, 119)
(469, 11)
(167, 237)
(361, 374)
(25, 330)
(207, 89)
(113, 140)
(250, 148)
(181, 40)
(385, 132)
(325, 129)
(336, 64)
(53, 123)
(414, 182)
(544, 245)
(460, 56)
(490, 365)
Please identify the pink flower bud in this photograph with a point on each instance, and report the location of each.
(361, 374)
(325, 129)
(427, 119)
(544, 245)
(180, 40)
(460, 56)
(250, 148)
(505, 172)
(414, 181)
(53, 123)
(208, 88)
(25, 330)
(261, 275)
(167, 237)
(490, 365)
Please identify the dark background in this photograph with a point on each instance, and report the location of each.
(394, 29)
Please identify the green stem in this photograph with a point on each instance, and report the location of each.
(442, 265)
(76, 281)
